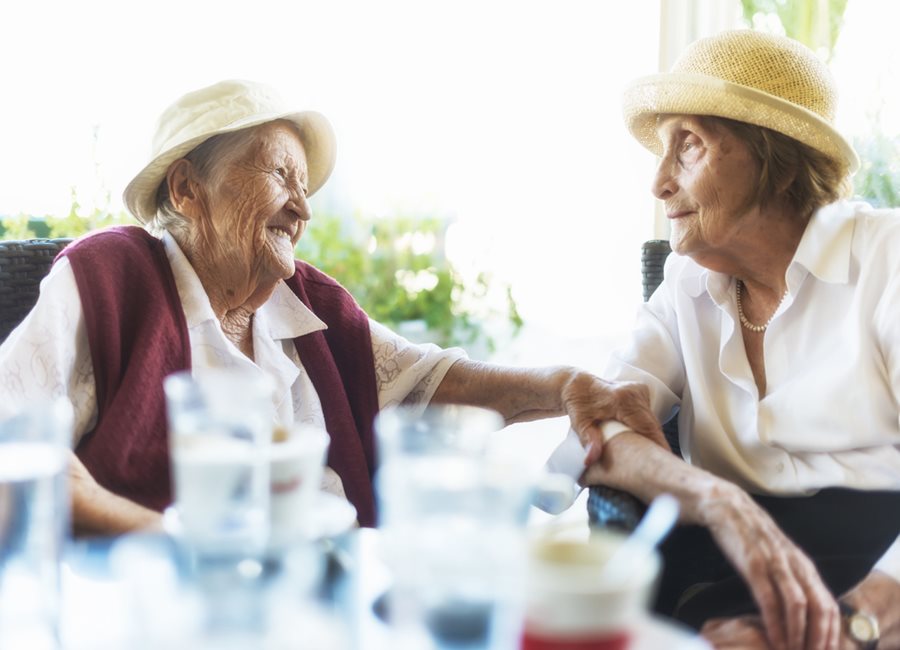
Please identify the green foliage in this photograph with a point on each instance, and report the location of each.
(73, 224)
(397, 270)
(18, 227)
(816, 23)
(878, 179)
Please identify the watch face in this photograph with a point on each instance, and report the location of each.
(862, 628)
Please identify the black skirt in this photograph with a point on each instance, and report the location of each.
(844, 532)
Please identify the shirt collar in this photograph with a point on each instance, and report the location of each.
(825, 247)
(824, 251)
(695, 279)
(284, 315)
(287, 317)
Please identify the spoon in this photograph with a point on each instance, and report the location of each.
(637, 547)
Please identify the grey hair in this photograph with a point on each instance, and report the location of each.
(204, 158)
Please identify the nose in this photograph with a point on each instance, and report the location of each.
(664, 184)
(299, 207)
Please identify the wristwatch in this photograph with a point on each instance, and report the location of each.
(860, 626)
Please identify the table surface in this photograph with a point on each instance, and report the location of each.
(103, 608)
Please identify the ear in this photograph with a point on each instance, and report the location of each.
(184, 193)
(786, 180)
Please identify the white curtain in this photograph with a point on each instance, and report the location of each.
(681, 23)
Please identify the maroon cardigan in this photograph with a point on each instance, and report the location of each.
(137, 335)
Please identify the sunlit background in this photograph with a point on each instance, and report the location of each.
(502, 117)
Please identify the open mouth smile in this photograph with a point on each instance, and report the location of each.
(282, 232)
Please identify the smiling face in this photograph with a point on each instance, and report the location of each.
(253, 206)
(707, 178)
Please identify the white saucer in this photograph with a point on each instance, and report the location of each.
(330, 516)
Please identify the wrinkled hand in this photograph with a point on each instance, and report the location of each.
(741, 633)
(798, 612)
(590, 401)
(879, 595)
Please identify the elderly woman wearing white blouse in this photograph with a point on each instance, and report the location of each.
(776, 332)
(212, 282)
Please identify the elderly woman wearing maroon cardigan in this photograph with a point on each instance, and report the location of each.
(211, 281)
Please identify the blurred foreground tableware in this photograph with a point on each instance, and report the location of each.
(453, 518)
(637, 548)
(574, 603)
(297, 457)
(177, 599)
(34, 523)
(220, 432)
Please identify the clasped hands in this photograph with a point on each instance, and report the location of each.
(797, 611)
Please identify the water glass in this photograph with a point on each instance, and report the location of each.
(220, 431)
(453, 519)
(34, 523)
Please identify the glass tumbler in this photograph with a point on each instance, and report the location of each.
(34, 523)
(220, 431)
(453, 519)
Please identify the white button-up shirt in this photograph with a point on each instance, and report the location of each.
(48, 353)
(831, 413)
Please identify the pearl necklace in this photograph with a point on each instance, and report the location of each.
(746, 323)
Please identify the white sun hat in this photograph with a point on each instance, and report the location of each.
(748, 76)
(222, 108)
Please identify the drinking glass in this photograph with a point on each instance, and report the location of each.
(453, 519)
(220, 431)
(34, 523)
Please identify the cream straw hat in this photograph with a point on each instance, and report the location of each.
(221, 108)
(762, 79)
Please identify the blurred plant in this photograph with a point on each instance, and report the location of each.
(73, 224)
(815, 23)
(397, 270)
(878, 178)
(18, 227)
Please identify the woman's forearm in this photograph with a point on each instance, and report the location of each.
(632, 463)
(522, 394)
(518, 394)
(793, 601)
(97, 511)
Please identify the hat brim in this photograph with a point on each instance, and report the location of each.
(316, 133)
(695, 94)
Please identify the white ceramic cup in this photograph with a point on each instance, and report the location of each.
(295, 472)
(571, 604)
